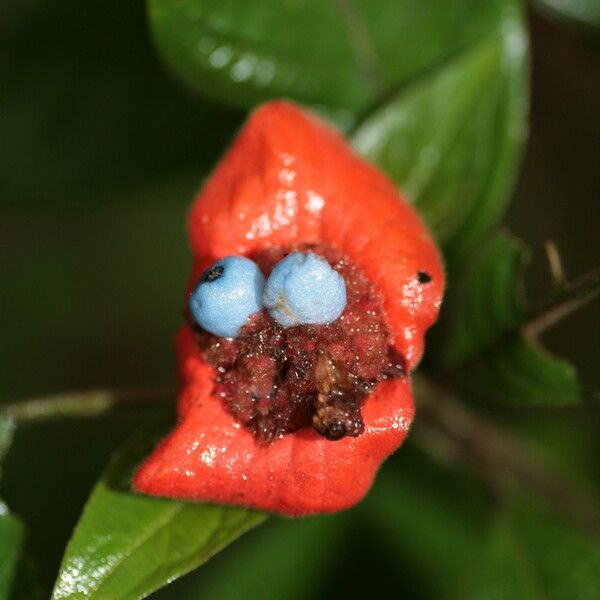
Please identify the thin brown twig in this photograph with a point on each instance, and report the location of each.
(446, 429)
(576, 296)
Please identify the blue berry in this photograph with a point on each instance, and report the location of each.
(304, 289)
(226, 294)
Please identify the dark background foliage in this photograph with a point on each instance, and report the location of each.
(101, 150)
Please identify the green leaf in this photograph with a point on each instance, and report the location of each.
(505, 572)
(342, 55)
(581, 12)
(126, 546)
(488, 303)
(11, 541)
(523, 372)
(482, 341)
(26, 583)
(532, 555)
(452, 139)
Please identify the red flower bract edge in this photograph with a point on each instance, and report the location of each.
(289, 178)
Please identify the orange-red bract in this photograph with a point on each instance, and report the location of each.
(290, 178)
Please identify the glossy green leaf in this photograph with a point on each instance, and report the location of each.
(11, 540)
(482, 340)
(532, 555)
(523, 372)
(126, 546)
(342, 55)
(581, 12)
(487, 303)
(452, 140)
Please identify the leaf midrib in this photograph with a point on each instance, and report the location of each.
(156, 527)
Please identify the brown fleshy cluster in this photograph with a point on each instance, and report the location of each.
(276, 380)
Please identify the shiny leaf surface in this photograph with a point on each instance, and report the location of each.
(341, 56)
(452, 140)
(126, 546)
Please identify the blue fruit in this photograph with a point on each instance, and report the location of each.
(226, 294)
(304, 289)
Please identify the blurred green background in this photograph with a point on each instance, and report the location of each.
(101, 151)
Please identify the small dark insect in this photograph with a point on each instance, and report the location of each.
(423, 277)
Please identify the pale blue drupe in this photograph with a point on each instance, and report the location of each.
(303, 288)
(226, 294)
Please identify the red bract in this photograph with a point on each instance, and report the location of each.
(287, 179)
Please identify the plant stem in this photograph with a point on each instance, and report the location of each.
(445, 428)
(576, 296)
(450, 432)
(89, 403)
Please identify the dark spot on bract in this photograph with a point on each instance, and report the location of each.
(423, 277)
